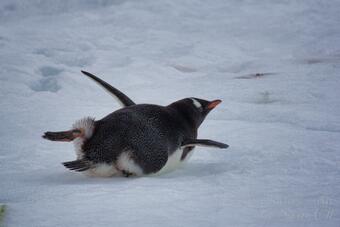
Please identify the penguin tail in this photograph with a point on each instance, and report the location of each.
(77, 165)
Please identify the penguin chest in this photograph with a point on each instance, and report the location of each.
(176, 160)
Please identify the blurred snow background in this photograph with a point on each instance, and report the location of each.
(275, 64)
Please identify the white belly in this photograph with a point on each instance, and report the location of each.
(124, 162)
(174, 161)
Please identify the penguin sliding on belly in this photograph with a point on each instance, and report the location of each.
(138, 139)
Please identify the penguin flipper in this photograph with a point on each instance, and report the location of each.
(123, 99)
(77, 165)
(203, 142)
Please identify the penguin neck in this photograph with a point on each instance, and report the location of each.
(187, 116)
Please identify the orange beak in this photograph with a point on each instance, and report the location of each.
(213, 104)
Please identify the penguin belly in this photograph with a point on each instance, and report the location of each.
(123, 164)
(174, 161)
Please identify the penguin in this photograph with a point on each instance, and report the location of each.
(138, 139)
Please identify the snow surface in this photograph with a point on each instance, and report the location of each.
(275, 64)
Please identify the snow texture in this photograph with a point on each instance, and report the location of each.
(275, 65)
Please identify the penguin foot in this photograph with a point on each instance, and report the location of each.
(65, 136)
(77, 165)
(127, 174)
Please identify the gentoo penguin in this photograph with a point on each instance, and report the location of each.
(138, 139)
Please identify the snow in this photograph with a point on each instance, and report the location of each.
(275, 65)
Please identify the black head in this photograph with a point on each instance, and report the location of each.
(194, 110)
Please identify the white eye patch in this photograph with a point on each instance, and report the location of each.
(196, 103)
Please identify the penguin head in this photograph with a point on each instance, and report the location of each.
(194, 110)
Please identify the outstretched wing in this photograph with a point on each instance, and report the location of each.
(120, 96)
(206, 143)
